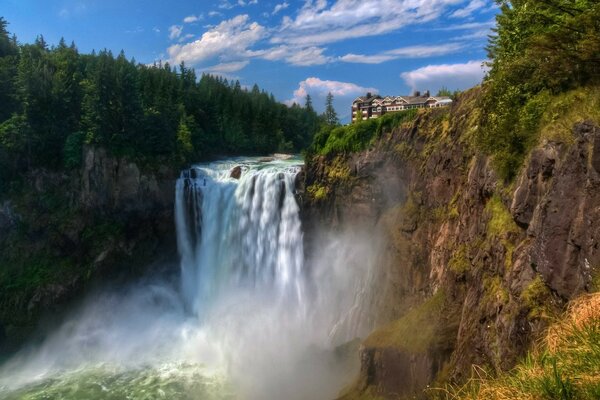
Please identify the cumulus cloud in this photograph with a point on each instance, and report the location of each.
(300, 40)
(280, 7)
(452, 76)
(230, 37)
(175, 31)
(403, 52)
(317, 87)
(318, 22)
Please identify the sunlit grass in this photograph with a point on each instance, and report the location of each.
(565, 366)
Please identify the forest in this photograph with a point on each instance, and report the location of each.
(54, 100)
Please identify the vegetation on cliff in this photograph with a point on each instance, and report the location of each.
(333, 139)
(541, 50)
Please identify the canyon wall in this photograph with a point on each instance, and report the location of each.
(473, 267)
(63, 232)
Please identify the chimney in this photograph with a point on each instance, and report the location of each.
(427, 93)
(417, 93)
(368, 95)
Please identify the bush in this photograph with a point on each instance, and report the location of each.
(358, 136)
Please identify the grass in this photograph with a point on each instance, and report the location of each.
(566, 110)
(565, 366)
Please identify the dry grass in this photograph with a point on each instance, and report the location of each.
(565, 367)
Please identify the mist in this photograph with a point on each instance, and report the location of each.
(250, 317)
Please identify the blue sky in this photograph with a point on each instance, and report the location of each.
(289, 48)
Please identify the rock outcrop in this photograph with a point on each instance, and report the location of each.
(62, 232)
(499, 258)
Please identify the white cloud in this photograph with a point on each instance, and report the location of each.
(452, 76)
(175, 31)
(468, 25)
(403, 52)
(192, 18)
(185, 37)
(318, 22)
(226, 68)
(317, 87)
(294, 55)
(230, 37)
(280, 7)
(299, 40)
(226, 5)
(155, 30)
(474, 5)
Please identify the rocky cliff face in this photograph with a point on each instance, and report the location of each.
(473, 267)
(60, 232)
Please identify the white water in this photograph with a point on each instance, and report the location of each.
(248, 310)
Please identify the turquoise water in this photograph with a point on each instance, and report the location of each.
(174, 381)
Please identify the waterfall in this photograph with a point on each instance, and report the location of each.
(249, 313)
(241, 232)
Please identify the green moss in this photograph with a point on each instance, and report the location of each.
(501, 221)
(459, 262)
(318, 192)
(536, 296)
(404, 150)
(494, 291)
(416, 331)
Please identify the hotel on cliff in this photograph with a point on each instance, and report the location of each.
(374, 106)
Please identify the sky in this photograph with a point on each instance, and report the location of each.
(289, 48)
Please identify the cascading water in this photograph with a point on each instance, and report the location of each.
(239, 233)
(249, 316)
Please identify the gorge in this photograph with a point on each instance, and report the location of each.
(414, 245)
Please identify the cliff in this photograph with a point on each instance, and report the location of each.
(474, 266)
(63, 232)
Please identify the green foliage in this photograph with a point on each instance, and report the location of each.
(330, 116)
(73, 150)
(358, 136)
(54, 99)
(541, 48)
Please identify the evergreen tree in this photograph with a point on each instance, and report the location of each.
(308, 103)
(330, 115)
(54, 100)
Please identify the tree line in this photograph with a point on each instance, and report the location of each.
(53, 100)
(540, 49)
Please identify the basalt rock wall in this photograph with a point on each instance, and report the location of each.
(473, 267)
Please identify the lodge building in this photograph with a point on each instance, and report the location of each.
(374, 106)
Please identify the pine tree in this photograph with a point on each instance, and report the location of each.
(330, 114)
(308, 103)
